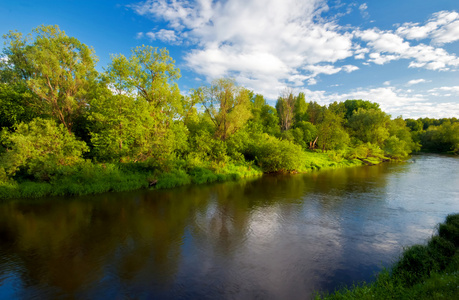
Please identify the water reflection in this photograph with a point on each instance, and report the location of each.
(274, 237)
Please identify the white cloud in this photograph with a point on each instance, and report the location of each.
(164, 35)
(387, 46)
(253, 39)
(267, 45)
(442, 28)
(363, 10)
(417, 81)
(452, 90)
(396, 102)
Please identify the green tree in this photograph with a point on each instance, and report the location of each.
(369, 125)
(300, 108)
(315, 112)
(136, 121)
(227, 105)
(352, 106)
(331, 134)
(58, 69)
(285, 107)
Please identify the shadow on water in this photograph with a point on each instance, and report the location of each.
(275, 237)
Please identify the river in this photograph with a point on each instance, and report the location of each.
(274, 237)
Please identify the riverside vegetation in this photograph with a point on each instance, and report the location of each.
(423, 271)
(68, 129)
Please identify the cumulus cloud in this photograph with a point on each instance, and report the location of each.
(252, 39)
(267, 45)
(387, 46)
(442, 28)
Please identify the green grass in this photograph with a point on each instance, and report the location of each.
(92, 178)
(428, 271)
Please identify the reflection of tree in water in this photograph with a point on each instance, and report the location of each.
(129, 243)
(72, 244)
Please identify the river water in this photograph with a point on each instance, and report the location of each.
(274, 237)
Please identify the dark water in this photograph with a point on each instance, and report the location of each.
(277, 237)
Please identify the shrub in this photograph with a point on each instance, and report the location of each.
(40, 148)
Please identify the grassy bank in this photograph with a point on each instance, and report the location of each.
(91, 178)
(428, 271)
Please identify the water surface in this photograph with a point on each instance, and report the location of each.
(275, 237)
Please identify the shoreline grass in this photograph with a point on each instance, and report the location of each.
(90, 178)
(428, 271)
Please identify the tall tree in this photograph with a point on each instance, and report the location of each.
(58, 69)
(300, 108)
(135, 122)
(285, 107)
(227, 105)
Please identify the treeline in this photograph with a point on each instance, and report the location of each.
(60, 118)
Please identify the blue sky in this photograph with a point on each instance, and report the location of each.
(402, 54)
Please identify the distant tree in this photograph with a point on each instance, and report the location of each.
(315, 112)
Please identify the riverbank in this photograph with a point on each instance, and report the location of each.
(90, 178)
(428, 271)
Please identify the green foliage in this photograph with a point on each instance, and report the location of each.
(315, 113)
(274, 155)
(331, 132)
(285, 107)
(227, 105)
(305, 133)
(40, 148)
(369, 125)
(13, 105)
(300, 109)
(59, 71)
(352, 106)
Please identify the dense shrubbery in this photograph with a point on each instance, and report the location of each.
(423, 271)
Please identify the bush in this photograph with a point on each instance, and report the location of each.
(40, 148)
(274, 155)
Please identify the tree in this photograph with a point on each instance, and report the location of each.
(315, 112)
(136, 121)
(227, 105)
(285, 106)
(300, 108)
(352, 106)
(331, 132)
(58, 69)
(369, 125)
